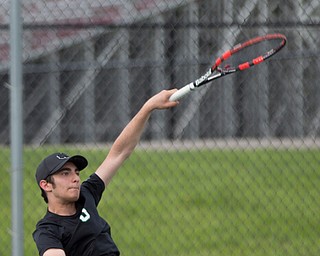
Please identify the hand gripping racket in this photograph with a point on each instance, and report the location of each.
(240, 57)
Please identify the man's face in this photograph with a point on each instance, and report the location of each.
(66, 184)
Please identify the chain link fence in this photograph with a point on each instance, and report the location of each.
(233, 170)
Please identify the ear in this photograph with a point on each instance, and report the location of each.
(46, 186)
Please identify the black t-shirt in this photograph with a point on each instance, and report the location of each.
(82, 234)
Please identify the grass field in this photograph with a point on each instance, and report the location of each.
(209, 202)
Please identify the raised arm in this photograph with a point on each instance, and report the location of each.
(130, 136)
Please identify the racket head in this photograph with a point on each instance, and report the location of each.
(240, 57)
(249, 53)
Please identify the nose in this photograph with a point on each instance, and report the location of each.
(75, 177)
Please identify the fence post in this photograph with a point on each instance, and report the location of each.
(16, 128)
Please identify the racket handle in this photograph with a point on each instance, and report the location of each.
(181, 92)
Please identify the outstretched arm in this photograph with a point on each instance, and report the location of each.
(130, 136)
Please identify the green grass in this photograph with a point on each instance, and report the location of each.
(219, 202)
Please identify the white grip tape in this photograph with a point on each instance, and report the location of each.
(182, 92)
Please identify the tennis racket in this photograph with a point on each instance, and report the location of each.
(239, 58)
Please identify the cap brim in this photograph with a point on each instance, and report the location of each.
(79, 161)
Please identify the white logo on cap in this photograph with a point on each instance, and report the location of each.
(61, 157)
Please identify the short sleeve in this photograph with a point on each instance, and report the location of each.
(46, 238)
(95, 186)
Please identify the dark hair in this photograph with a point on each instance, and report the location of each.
(49, 179)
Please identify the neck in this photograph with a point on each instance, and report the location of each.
(67, 209)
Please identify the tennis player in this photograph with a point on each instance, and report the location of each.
(72, 225)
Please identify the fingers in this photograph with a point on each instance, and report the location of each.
(161, 100)
(168, 103)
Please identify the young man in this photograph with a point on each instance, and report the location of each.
(72, 225)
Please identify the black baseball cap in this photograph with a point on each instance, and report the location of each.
(54, 162)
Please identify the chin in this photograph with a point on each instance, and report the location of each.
(74, 197)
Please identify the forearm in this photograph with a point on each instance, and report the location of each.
(131, 134)
(123, 145)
